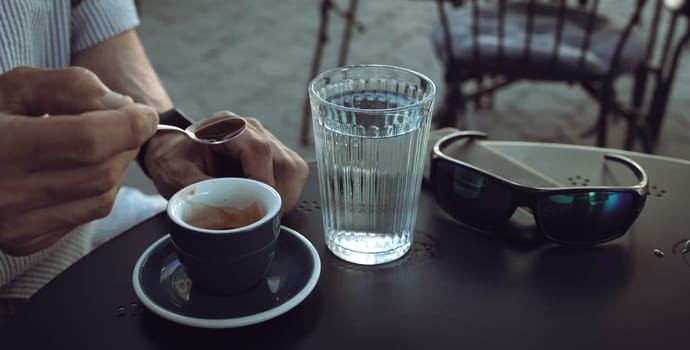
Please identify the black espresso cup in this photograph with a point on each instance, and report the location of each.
(224, 231)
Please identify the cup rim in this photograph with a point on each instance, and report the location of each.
(271, 212)
(428, 98)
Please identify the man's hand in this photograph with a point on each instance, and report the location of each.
(65, 167)
(174, 161)
(31, 91)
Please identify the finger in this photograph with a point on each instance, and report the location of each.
(290, 171)
(51, 187)
(39, 91)
(291, 175)
(63, 91)
(25, 230)
(33, 245)
(67, 141)
(254, 150)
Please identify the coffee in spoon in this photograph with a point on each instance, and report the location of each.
(212, 130)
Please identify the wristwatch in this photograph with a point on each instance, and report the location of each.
(174, 117)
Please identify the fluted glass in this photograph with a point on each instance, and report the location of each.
(371, 127)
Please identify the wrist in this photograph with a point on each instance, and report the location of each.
(174, 117)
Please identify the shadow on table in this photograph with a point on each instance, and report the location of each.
(521, 256)
(283, 332)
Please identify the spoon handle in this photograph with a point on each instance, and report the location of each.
(166, 127)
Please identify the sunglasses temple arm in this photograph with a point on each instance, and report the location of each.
(455, 136)
(636, 168)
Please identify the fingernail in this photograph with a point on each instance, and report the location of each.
(112, 99)
(153, 122)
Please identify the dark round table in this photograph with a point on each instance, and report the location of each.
(455, 289)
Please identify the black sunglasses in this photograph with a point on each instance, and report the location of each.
(567, 215)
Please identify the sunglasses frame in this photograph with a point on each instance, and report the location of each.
(526, 196)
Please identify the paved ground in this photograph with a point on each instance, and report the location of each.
(254, 56)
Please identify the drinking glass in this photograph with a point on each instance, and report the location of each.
(371, 127)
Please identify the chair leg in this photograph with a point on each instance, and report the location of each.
(453, 104)
(347, 33)
(326, 6)
(633, 119)
(605, 102)
(321, 39)
(656, 113)
(478, 99)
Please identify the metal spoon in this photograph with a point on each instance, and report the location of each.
(212, 130)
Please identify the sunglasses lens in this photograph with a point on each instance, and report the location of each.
(470, 196)
(586, 217)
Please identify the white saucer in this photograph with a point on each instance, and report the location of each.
(163, 287)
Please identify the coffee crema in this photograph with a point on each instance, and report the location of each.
(224, 218)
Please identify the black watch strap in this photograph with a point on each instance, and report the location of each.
(175, 117)
(171, 117)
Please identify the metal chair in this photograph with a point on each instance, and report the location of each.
(495, 43)
(326, 8)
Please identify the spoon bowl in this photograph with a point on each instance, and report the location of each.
(212, 130)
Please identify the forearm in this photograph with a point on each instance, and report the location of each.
(121, 63)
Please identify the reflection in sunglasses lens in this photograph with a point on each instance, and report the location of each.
(467, 184)
(470, 197)
(586, 216)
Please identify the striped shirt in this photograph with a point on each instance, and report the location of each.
(46, 33)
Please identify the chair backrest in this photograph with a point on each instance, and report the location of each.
(665, 43)
(664, 50)
(540, 35)
(649, 37)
